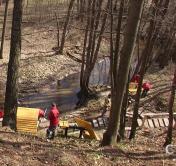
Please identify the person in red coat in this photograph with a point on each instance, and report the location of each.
(41, 113)
(53, 117)
(146, 87)
(1, 112)
(135, 78)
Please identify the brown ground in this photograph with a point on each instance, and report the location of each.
(39, 64)
(17, 149)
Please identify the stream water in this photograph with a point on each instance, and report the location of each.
(64, 94)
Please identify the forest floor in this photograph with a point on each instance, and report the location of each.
(17, 149)
(38, 66)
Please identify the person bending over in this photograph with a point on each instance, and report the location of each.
(146, 87)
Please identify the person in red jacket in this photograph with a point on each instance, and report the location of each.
(53, 117)
(146, 87)
(1, 112)
(41, 113)
(135, 78)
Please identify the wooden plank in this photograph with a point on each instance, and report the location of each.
(161, 122)
(156, 123)
(27, 131)
(154, 115)
(27, 127)
(29, 113)
(27, 120)
(139, 121)
(24, 123)
(150, 122)
(166, 122)
(34, 126)
(146, 123)
(100, 122)
(95, 123)
(127, 131)
(173, 123)
(106, 120)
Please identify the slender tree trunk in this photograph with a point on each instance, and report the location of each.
(93, 47)
(166, 4)
(123, 111)
(170, 107)
(4, 28)
(95, 54)
(58, 31)
(78, 6)
(111, 58)
(65, 26)
(11, 95)
(134, 16)
(97, 21)
(84, 47)
(115, 58)
(145, 56)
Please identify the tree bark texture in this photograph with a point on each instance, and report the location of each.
(11, 95)
(65, 26)
(4, 29)
(170, 109)
(144, 60)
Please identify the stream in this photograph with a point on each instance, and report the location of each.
(64, 92)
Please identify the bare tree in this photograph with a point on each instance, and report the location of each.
(65, 26)
(58, 31)
(170, 109)
(4, 28)
(11, 94)
(144, 60)
(92, 41)
(134, 15)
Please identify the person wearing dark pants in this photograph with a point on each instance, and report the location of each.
(53, 117)
(146, 87)
(51, 132)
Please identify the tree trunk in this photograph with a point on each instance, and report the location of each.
(170, 107)
(115, 57)
(84, 47)
(78, 7)
(11, 95)
(4, 28)
(134, 16)
(93, 47)
(58, 31)
(145, 56)
(123, 111)
(65, 26)
(97, 21)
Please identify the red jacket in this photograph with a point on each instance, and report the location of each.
(54, 117)
(146, 86)
(135, 78)
(1, 112)
(41, 113)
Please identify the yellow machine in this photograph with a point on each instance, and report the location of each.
(133, 88)
(89, 132)
(27, 120)
(63, 123)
